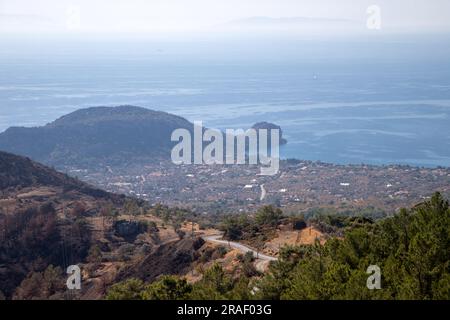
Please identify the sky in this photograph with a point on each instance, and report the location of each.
(156, 16)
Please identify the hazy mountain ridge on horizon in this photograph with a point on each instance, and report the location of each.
(293, 19)
(294, 24)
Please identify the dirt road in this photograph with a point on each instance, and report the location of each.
(239, 246)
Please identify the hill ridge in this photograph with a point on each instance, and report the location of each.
(97, 134)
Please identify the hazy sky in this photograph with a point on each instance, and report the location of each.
(111, 16)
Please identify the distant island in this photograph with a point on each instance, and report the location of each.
(270, 126)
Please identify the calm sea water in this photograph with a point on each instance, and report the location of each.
(360, 102)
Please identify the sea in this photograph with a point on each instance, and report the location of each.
(373, 100)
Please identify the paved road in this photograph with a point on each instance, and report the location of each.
(263, 193)
(238, 246)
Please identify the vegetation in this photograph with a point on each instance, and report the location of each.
(34, 239)
(242, 227)
(130, 289)
(48, 284)
(268, 215)
(216, 284)
(167, 288)
(410, 248)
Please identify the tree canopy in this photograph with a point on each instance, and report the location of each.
(411, 249)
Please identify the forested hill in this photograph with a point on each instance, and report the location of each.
(17, 172)
(97, 134)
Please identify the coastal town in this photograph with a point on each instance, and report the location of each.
(300, 186)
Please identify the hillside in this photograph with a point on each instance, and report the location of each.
(22, 180)
(49, 221)
(302, 25)
(97, 134)
(127, 250)
(17, 172)
(39, 207)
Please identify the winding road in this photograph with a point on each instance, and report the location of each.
(238, 246)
